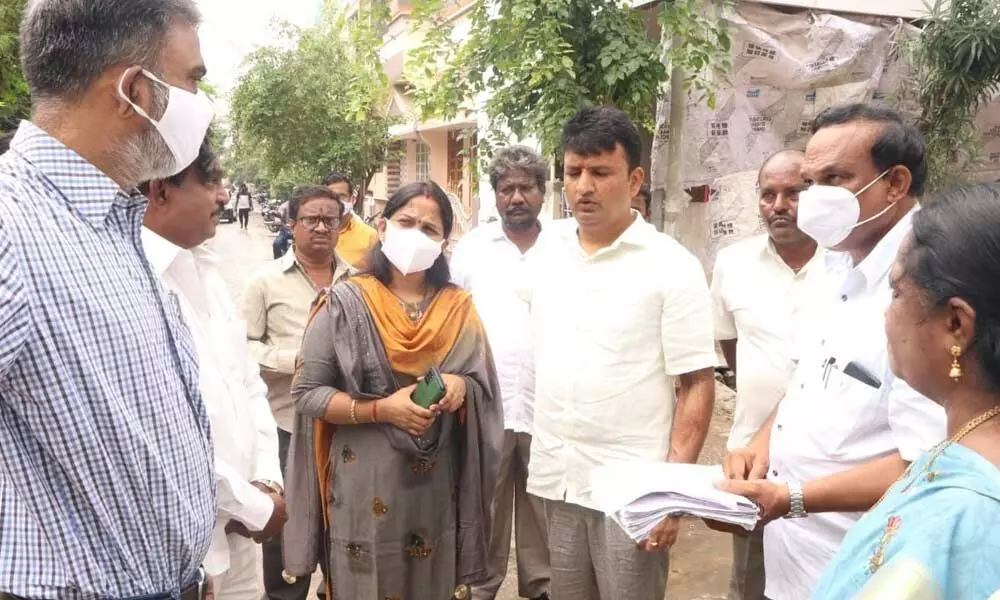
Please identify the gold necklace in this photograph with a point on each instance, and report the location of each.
(940, 448)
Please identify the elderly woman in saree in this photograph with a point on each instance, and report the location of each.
(935, 535)
(395, 498)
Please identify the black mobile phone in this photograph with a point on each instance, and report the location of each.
(430, 390)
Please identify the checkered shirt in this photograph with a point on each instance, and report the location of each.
(106, 480)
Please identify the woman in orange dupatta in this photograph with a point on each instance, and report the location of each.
(392, 498)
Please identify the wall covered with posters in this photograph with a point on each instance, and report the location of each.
(788, 66)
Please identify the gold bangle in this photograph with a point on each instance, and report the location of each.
(354, 411)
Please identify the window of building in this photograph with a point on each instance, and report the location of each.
(395, 167)
(423, 161)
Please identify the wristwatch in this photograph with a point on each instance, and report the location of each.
(274, 487)
(796, 501)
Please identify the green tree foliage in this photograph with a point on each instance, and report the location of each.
(315, 102)
(957, 71)
(536, 62)
(15, 102)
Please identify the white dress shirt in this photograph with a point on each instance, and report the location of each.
(491, 267)
(612, 330)
(244, 433)
(830, 422)
(763, 304)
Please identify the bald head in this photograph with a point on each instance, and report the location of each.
(782, 159)
(780, 181)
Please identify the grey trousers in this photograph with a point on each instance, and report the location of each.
(747, 581)
(512, 505)
(593, 559)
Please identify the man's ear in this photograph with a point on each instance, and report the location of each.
(158, 191)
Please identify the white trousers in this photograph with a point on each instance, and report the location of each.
(241, 581)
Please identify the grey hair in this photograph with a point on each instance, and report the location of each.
(517, 158)
(67, 44)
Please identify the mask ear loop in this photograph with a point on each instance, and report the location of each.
(136, 107)
(880, 213)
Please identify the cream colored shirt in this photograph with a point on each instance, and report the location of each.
(244, 436)
(830, 422)
(611, 332)
(764, 305)
(276, 306)
(491, 267)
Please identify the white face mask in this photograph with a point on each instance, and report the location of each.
(409, 250)
(829, 213)
(184, 123)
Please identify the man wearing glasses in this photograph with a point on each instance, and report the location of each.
(276, 306)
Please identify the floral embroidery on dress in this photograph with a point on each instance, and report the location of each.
(417, 547)
(421, 466)
(379, 508)
(348, 455)
(878, 558)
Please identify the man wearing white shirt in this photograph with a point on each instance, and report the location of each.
(846, 428)
(181, 216)
(762, 289)
(619, 312)
(489, 262)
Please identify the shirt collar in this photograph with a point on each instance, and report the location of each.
(83, 185)
(162, 253)
(771, 253)
(876, 265)
(288, 261)
(496, 233)
(638, 234)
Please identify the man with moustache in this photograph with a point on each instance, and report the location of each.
(106, 477)
(276, 306)
(846, 428)
(762, 289)
(182, 215)
(489, 263)
(620, 312)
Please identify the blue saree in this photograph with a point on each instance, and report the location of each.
(934, 536)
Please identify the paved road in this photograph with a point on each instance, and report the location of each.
(700, 561)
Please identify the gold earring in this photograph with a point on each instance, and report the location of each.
(956, 369)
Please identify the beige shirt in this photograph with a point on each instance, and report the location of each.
(276, 307)
(611, 332)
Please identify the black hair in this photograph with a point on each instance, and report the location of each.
(898, 144)
(5, 141)
(598, 129)
(206, 168)
(304, 193)
(333, 178)
(955, 253)
(378, 265)
(646, 193)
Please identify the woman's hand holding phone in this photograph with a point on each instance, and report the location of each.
(455, 396)
(401, 412)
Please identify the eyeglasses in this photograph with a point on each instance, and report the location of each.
(312, 222)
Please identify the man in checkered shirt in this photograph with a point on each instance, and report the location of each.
(106, 479)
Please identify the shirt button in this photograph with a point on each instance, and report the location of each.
(774, 472)
(843, 297)
(779, 427)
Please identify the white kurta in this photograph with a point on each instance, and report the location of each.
(830, 422)
(244, 434)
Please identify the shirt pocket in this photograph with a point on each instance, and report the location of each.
(854, 415)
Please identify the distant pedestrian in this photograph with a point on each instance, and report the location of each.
(106, 476)
(182, 215)
(244, 205)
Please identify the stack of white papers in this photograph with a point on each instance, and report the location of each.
(639, 494)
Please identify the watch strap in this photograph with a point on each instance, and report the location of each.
(796, 501)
